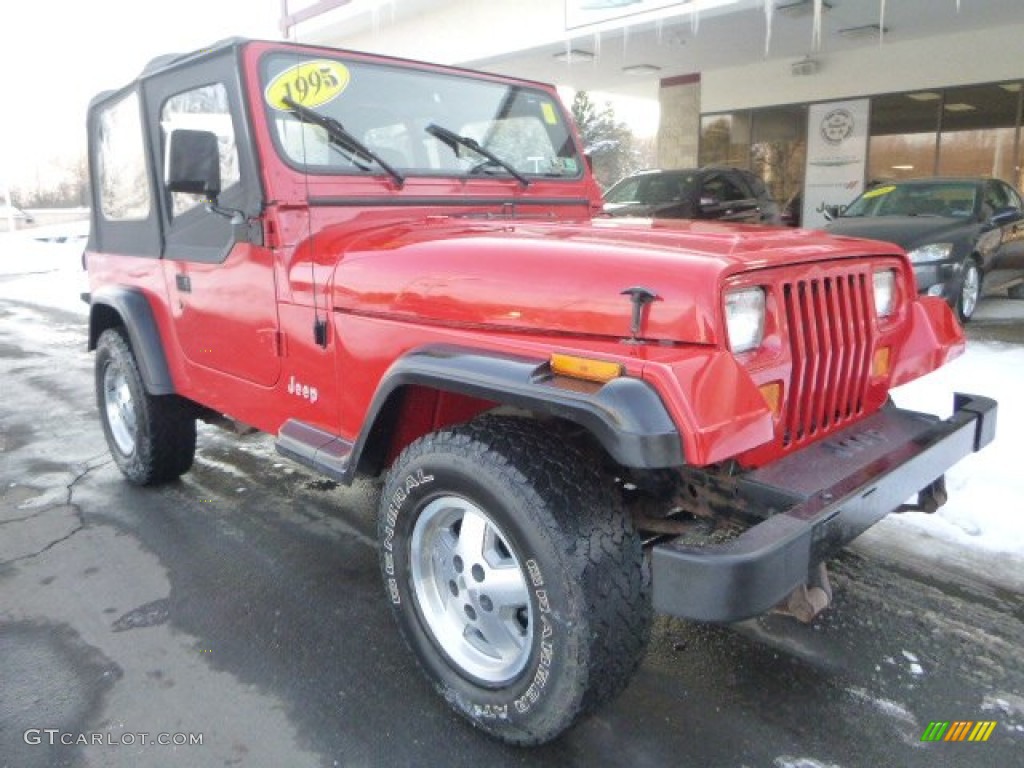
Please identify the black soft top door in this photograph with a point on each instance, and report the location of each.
(205, 94)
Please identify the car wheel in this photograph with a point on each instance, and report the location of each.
(514, 574)
(151, 437)
(970, 291)
(1016, 291)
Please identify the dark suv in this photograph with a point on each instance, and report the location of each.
(729, 194)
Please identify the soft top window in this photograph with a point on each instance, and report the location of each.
(204, 108)
(124, 192)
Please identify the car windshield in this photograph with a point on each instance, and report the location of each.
(389, 109)
(652, 189)
(951, 199)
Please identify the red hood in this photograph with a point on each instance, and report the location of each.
(564, 278)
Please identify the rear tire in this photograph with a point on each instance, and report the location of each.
(151, 437)
(515, 576)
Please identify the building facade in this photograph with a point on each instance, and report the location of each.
(819, 97)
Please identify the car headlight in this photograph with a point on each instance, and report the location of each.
(931, 252)
(744, 318)
(885, 292)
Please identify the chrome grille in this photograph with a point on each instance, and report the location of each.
(830, 330)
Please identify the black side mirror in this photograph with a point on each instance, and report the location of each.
(1005, 216)
(193, 163)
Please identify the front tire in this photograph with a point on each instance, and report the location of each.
(515, 576)
(970, 291)
(151, 437)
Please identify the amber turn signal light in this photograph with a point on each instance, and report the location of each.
(772, 394)
(584, 368)
(880, 364)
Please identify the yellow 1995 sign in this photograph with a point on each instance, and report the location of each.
(310, 84)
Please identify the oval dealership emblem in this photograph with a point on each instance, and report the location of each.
(309, 83)
(837, 126)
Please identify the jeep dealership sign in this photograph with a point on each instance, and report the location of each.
(837, 148)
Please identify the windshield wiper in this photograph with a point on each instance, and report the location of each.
(454, 141)
(339, 136)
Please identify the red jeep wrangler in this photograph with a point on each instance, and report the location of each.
(401, 269)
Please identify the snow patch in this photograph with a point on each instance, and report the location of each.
(785, 761)
(915, 667)
(891, 709)
(1008, 705)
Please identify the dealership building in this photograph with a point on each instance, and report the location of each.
(819, 97)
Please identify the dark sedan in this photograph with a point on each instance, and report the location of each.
(727, 194)
(965, 237)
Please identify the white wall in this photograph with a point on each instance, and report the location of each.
(971, 57)
(453, 31)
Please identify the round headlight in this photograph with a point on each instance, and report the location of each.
(885, 292)
(931, 252)
(744, 317)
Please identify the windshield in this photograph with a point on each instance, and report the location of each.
(389, 109)
(652, 189)
(951, 199)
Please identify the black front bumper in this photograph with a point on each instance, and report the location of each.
(819, 499)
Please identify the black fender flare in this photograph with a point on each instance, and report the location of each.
(115, 305)
(625, 415)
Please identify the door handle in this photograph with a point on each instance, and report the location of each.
(183, 282)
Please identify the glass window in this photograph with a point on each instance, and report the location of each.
(721, 189)
(205, 109)
(1012, 198)
(904, 130)
(389, 109)
(123, 178)
(778, 150)
(995, 197)
(725, 140)
(1018, 181)
(979, 131)
(627, 191)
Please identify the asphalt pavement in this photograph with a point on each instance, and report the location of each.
(242, 608)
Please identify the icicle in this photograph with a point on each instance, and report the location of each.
(958, 6)
(769, 7)
(816, 30)
(659, 28)
(695, 20)
(881, 22)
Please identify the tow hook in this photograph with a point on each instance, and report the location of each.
(929, 498)
(808, 600)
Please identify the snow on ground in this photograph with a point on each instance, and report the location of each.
(979, 531)
(985, 490)
(44, 266)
